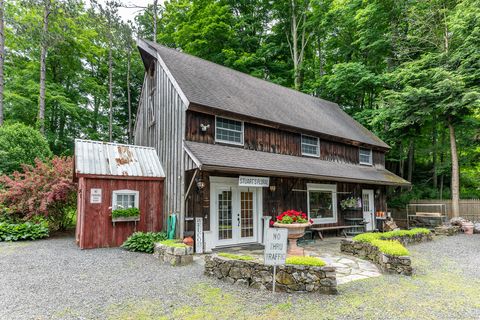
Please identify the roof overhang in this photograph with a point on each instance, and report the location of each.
(209, 157)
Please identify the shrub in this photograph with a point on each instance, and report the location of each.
(236, 256)
(391, 247)
(45, 189)
(306, 261)
(367, 237)
(370, 236)
(143, 241)
(130, 212)
(174, 243)
(23, 231)
(21, 145)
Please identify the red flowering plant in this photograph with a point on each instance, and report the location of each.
(292, 216)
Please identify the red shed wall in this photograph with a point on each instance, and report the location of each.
(94, 223)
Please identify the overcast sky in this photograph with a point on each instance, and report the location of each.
(130, 13)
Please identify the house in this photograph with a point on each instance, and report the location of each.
(238, 150)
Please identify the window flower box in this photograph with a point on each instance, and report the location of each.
(126, 215)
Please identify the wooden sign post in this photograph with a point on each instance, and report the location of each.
(275, 249)
(198, 235)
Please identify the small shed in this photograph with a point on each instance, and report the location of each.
(116, 176)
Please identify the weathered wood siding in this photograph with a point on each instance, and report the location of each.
(267, 139)
(94, 221)
(165, 132)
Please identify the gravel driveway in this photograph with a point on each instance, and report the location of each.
(53, 279)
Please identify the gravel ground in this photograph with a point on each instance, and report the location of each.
(52, 279)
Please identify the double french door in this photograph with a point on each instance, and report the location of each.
(235, 214)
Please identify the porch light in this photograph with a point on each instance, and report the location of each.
(200, 184)
(273, 188)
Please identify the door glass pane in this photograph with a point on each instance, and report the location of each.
(225, 215)
(321, 204)
(246, 214)
(366, 202)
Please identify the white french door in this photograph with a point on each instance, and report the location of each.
(368, 207)
(234, 214)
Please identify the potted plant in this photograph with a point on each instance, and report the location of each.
(350, 203)
(295, 222)
(129, 214)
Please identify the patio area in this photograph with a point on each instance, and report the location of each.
(348, 268)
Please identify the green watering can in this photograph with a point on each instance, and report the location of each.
(171, 223)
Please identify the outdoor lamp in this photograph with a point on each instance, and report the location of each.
(200, 184)
(273, 188)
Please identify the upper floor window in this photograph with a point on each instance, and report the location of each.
(228, 131)
(365, 156)
(310, 146)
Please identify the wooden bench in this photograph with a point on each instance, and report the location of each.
(337, 228)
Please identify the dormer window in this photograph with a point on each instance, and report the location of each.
(310, 146)
(366, 156)
(228, 131)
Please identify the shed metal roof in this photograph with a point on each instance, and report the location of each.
(208, 84)
(239, 160)
(114, 159)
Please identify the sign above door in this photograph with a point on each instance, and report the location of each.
(248, 181)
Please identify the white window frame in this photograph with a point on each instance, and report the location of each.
(360, 158)
(317, 155)
(323, 187)
(241, 143)
(125, 192)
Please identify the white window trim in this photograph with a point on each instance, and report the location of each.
(371, 157)
(125, 192)
(317, 155)
(241, 143)
(323, 187)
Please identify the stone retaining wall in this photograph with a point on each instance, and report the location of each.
(176, 256)
(289, 278)
(447, 230)
(386, 262)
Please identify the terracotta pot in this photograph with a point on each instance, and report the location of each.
(467, 227)
(295, 231)
(188, 241)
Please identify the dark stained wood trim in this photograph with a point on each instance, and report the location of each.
(271, 124)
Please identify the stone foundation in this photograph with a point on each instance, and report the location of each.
(176, 256)
(387, 263)
(447, 230)
(289, 278)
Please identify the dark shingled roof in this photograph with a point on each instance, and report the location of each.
(239, 160)
(208, 84)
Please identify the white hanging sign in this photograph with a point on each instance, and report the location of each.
(95, 195)
(198, 235)
(276, 246)
(248, 181)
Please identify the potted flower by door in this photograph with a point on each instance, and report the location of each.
(295, 222)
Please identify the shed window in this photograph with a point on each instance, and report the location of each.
(365, 156)
(228, 131)
(310, 146)
(322, 202)
(124, 199)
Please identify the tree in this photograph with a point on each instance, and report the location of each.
(2, 56)
(47, 10)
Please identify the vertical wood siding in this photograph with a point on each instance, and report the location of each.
(165, 134)
(95, 228)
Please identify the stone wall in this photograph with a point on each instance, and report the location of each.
(418, 238)
(289, 278)
(447, 230)
(386, 262)
(176, 256)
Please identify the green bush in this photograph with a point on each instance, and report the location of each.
(391, 247)
(19, 145)
(143, 241)
(23, 231)
(370, 236)
(174, 243)
(124, 213)
(306, 261)
(236, 256)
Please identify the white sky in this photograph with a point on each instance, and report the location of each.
(130, 13)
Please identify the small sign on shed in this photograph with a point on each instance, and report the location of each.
(95, 195)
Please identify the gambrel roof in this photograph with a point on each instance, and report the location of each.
(211, 85)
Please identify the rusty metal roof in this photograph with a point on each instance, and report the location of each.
(114, 159)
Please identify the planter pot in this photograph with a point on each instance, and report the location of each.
(126, 219)
(467, 227)
(295, 231)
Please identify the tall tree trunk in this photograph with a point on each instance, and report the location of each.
(401, 164)
(455, 171)
(129, 97)
(43, 71)
(110, 93)
(155, 18)
(411, 150)
(2, 57)
(434, 155)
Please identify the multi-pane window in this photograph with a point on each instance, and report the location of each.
(228, 131)
(225, 215)
(310, 146)
(322, 203)
(124, 199)
(365, 156)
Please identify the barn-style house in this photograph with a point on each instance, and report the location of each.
(238, 150)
